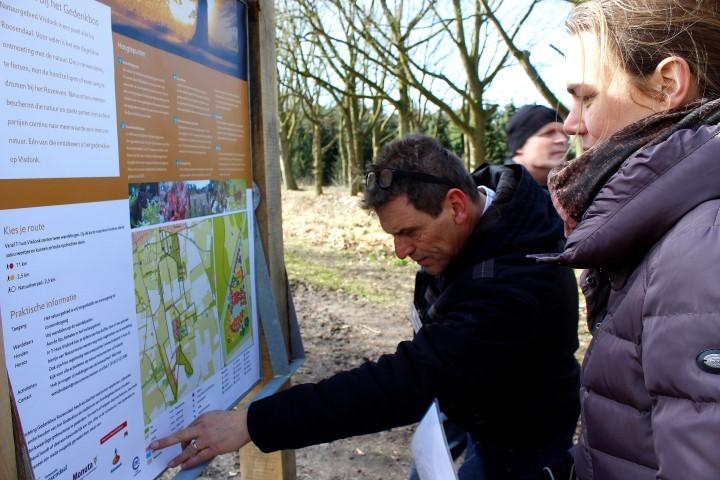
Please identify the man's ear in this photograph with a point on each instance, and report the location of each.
(674, 82)
(457, 202)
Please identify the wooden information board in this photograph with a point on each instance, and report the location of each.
(135, 124)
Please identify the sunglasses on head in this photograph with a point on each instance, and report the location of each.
(383, 178)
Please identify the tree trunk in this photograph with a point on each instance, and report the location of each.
(317, 158)
(467, 153)
(476, 138)
(287, 171)
(355, 147)
(404, 109)
(358, 166)
(376, 133)
(376, 129)
(342, 148)
(200, 38)
(349, 151)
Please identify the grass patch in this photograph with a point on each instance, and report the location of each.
(307, 267)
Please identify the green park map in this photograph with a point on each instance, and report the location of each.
(192, 293)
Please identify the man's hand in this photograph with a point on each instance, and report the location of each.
(211, 434)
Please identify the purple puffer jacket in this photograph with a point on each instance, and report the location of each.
(650, 390)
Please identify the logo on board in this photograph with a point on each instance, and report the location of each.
(84, 471)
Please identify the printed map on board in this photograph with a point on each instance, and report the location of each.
(190, 280)
(177, 315)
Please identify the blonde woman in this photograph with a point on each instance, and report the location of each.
(642, 213)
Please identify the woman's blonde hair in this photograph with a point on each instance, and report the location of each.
(637, 34)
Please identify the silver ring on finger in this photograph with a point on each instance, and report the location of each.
(193, 442)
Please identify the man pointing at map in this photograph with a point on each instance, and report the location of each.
(495, 332)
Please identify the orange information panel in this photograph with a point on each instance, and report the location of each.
(127, 294)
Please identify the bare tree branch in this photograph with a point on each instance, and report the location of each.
(523, 57)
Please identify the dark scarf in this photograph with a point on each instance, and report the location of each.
(573, 186)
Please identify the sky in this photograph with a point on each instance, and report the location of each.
(545, 27)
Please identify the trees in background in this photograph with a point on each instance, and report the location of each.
(353, 75)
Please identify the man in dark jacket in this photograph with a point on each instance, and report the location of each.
(496, 331)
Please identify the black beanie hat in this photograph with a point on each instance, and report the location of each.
(525, 122)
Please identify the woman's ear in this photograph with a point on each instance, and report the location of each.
(675, 82)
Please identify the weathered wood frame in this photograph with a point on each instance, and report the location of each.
(266, 173)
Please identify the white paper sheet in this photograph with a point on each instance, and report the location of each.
(430, 450)
(66, 301)
(57, 90)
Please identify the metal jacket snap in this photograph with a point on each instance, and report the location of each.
(709, 360)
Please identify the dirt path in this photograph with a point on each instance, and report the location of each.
(341, 332)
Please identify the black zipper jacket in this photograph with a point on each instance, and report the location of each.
(496, 347)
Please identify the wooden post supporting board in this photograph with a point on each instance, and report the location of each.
(254, 465)
(265, 142)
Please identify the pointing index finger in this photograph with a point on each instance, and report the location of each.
(184, 435)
